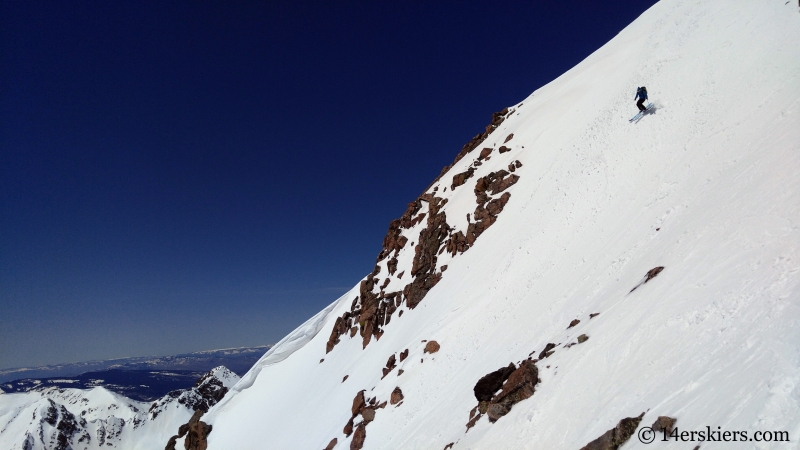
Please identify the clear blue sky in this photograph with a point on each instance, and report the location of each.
(180, 176)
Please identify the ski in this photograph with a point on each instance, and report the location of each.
(641, 113)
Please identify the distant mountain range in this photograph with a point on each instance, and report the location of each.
(140, 385)
(238, 360)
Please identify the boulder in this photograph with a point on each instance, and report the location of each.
(492, 382)
(663, 424)
(431, 347)
(397, 396)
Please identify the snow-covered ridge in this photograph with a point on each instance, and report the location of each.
(61, 419)
(636, 273)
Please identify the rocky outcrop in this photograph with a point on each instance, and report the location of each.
(517, 385)
(373, 308)
(615, 437)
(207, 392)
(492, 382)
(521, 384)
(497, 119)
(367, 409)
(195, 431)
(460, 178)
(66, 425)
(197, 436)
(332, 444)
(573, 323)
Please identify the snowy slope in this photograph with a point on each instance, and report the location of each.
(97, 418)
(706, 186)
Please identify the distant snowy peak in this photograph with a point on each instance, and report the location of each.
(61, 419)
(222, 375)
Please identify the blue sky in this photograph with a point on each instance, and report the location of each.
(181, 176)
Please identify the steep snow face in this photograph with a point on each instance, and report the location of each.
(60, 419)
(705, 186)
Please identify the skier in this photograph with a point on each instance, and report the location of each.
(641, 95)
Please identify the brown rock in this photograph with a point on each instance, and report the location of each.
(368, 414)
(503, 149)
(484, 153)
(582, 338)
(400, 372)
(521, 384)
(449, 446)
(345, 377)
(496, 411)
(431, 347)
(392, 265)
(390, 365)
(473, 421)
(397, 396)
(518, 164)
(492, 382)
(348, 429)
(332, 444)
(197, 436)
(508, 138)
(359, 436)
(353, 331)
(358, 403)
(185, 428)
(593, 315)
(573, 323)
(547, 348)
(615, 437)
(663, 424)
(652, 273)
(403, 355)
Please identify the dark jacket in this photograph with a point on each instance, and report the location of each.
(641, 93)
